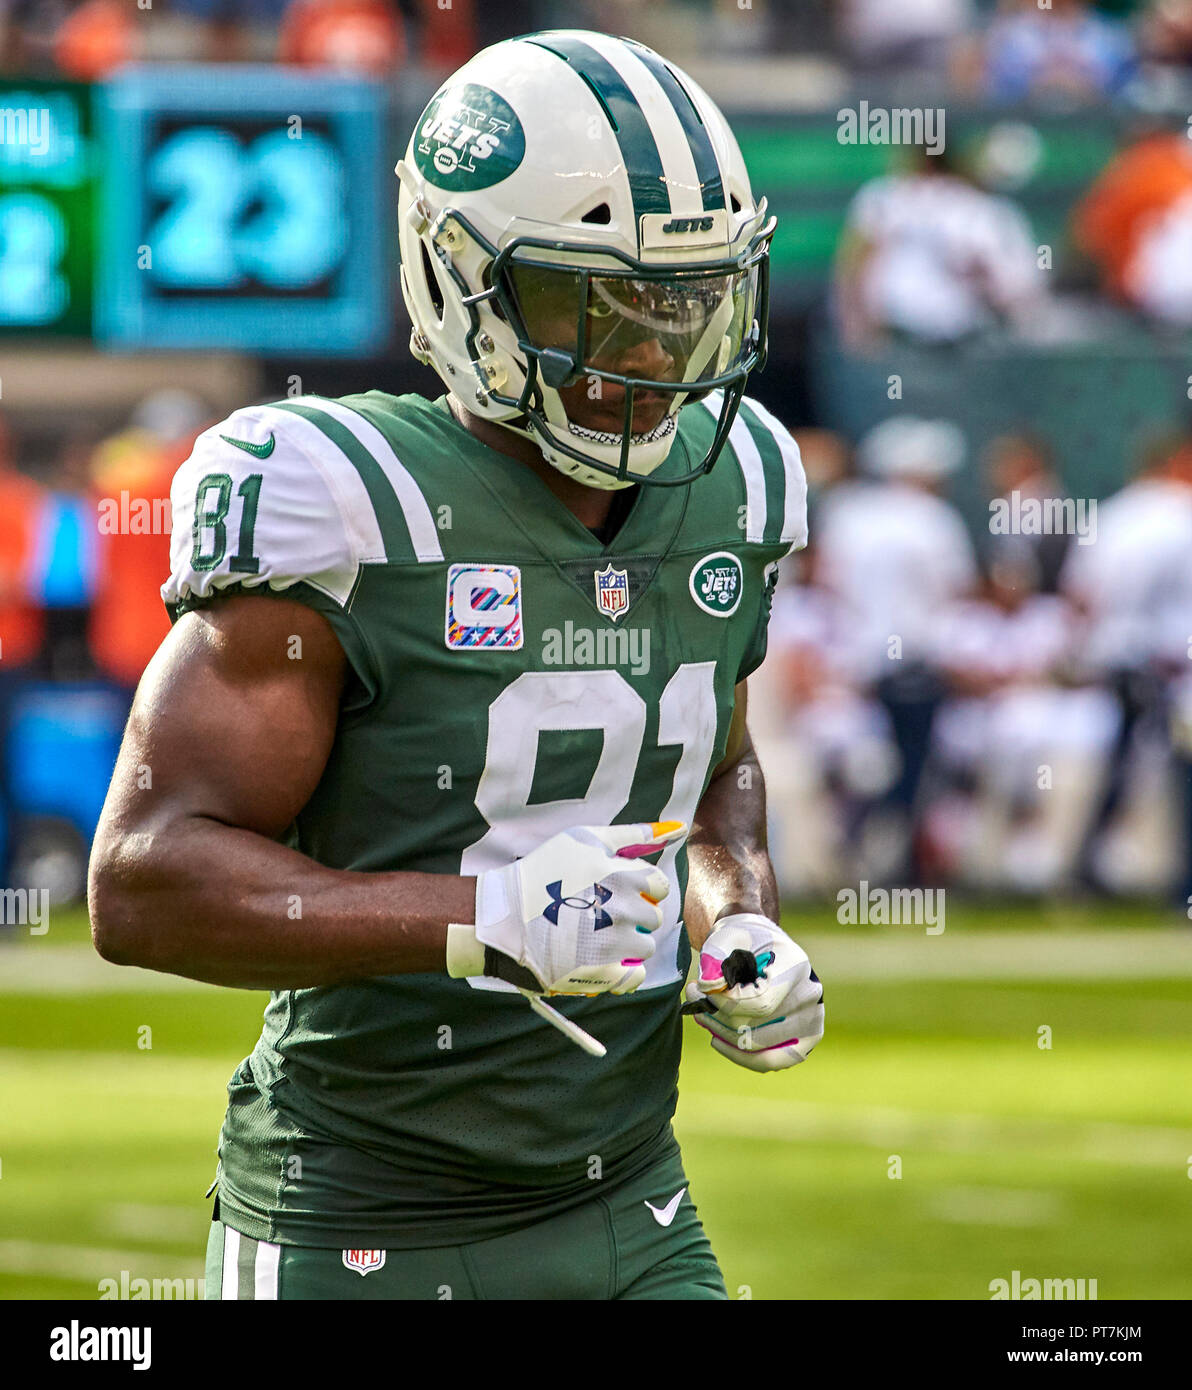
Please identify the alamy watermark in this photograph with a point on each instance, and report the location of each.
(26, 907)
(1016, 515)
(26, 127)
(575, 645)
(891, 907)
(898, 125)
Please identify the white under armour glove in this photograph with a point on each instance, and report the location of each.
(575, 916)
(757, 994)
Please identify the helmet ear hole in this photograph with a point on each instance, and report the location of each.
(734, 202)
(600, 216)
(432, 283)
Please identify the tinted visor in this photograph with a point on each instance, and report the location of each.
(680, 327)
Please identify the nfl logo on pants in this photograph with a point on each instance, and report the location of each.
(364, 1261)
(612, 591)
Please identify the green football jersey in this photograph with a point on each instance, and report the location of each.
(512, 676)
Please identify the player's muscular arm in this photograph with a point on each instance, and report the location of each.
(186, 875)
(730, 869)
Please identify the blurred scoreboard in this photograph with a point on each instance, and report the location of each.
(236, 207)
(47, 200)
(241, 208)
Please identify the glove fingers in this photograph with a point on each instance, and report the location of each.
(774, 1060)
(632, 841)
(645, 879)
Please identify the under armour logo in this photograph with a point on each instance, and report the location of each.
(557, 900)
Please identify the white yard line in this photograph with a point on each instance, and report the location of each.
(740, 1117)
(846, 956)
(161, 1225)
(39, 968)
(901, 953)
(1018, 1208)
(90, 1262)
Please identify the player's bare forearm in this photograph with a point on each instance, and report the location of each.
(227, 740)
(728, 858)
(220, 904)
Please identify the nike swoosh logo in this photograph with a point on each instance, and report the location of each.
(260, 451)
(665, 1215)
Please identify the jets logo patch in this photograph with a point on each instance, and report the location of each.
(484, 607)
(364, 1261)
(716, 583)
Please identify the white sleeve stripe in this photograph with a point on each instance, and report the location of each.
(752, 469)
(424, 534)
(340, 476)
(794, 511)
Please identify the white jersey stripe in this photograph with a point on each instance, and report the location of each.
(230, 1287)
(421, 524)
(752, 469)
(339, 474)
(794, 510)
(674, 149)
(265, 1274)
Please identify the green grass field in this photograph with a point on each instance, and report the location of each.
(1072, 1161)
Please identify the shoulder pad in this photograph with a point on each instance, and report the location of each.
(265, 498)
(775, 487)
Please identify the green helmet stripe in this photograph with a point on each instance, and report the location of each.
(711, 184)
(643, 162)
(391, 517)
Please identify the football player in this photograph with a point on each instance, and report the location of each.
(453, 712)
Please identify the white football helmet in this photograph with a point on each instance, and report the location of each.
(574, 209)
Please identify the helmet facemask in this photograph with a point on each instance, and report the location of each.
(617, 353)
(614, 347)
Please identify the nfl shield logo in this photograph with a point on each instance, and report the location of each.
(612, 591)
(363, 1261)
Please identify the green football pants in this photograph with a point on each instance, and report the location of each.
(641, 1240)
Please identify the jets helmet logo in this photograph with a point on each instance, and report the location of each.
(468, 138)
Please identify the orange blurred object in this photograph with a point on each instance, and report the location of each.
(131, 473)
(1129, 198)
(96, 38)
(359, 36)
(21, 621)
(448, 34)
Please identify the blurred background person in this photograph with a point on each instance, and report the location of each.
(362, 36)
(832, 751)
(895, 553)
(929, 255)
(1066, 52)
(130, 475)
(1124, 587)
(1165, 32)
(1013, 740)
(1135, 226)
(914, 35)
(1021, 464)
(22, 623)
